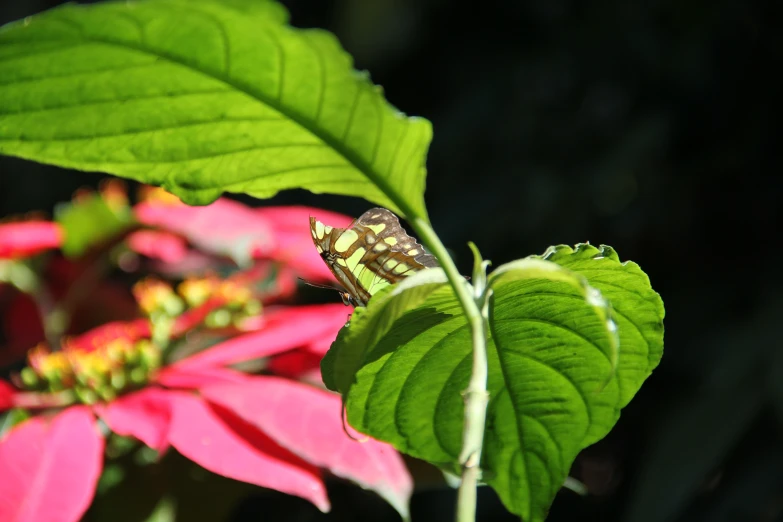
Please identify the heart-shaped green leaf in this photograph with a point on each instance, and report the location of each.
(555, 372)
(203, 97)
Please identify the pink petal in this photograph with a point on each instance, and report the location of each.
(144, 415)
(308, 421)
(225, 227)
(224, 444)
(50, 470)
(197, 377)
(156, 244)
(295, 244)
(286, 328)
(26, 238)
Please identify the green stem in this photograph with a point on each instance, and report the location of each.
(476, 396)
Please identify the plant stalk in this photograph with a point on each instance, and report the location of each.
(476, 396)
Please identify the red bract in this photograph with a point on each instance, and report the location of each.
(294, 242)
(7, 393)
(169, 248)
(265, 430)
(50, 467)
(306, 420)
(229, 228)
(20, 326)
(281, 330)
(225, 227)
(27, 238)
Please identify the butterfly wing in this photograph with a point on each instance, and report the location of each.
(383, 226)
(374, 252)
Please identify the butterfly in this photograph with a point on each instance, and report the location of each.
(374, 252)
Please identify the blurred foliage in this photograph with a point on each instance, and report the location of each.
(645, 125)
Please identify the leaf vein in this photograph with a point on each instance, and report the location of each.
(82, 104)
(322, 67)
(76, 74)
(134, 132)
(354, 104)
(281, 64)
(40, 52)
(633, 323)
(397, 147)
(647, 298)
(425, 357)
(557, 371)
(221, 31)
(295, 169)
(378, 132)
(217, 155)
(58, 17)
(441, 398)
(135, 22)
(560, 326)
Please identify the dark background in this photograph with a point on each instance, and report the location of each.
(645, 125)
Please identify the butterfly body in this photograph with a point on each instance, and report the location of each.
(372, 253)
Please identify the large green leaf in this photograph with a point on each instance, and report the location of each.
(203, 97)
(556, 378)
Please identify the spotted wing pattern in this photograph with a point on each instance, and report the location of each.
(374, 252)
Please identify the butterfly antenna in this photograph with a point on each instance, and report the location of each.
(317, 285)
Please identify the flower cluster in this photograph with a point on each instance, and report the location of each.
(147, 349)
(92, 376)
